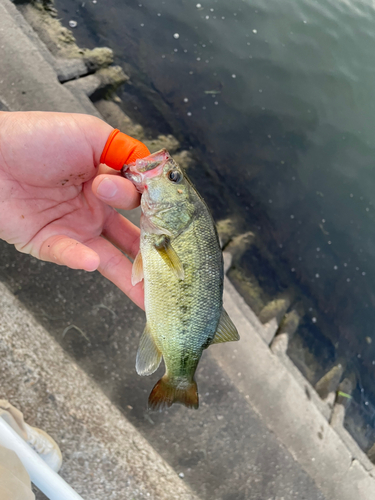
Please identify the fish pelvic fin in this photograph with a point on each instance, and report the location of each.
(166, 392)
(148, 355)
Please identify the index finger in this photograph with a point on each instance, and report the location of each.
(47, 149)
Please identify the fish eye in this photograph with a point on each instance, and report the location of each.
(174, 176)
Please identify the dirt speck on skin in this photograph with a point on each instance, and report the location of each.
(63, 182)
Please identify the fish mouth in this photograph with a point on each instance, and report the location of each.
(146, 168)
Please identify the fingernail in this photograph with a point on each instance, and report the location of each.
(107, 188)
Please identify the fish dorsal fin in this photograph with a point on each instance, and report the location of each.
(167, 253)
(148, 355)
(226, 331)
(137, 269)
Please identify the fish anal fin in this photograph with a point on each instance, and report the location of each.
(168, 254)
(148, 355)
(137, 269)
(165, 393)
(226, 331)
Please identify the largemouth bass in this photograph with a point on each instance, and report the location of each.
(181, 263)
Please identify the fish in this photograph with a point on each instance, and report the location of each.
(181, 263)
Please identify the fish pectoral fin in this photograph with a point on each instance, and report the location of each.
(167, 253)
(226, 331)
(137, 269)
(148, 355)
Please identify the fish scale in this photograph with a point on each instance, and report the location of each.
(200, 293)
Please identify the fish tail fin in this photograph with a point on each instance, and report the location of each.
(165, 393)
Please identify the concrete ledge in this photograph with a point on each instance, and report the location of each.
(28, 79)
(279, 348)
(104, 456)
(337, 422)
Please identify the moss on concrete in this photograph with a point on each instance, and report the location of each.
(289, 323)
(249, 288)
(114, 115)
(100, 57)
(168, 142)
(226, 229)
(274, 309)
(330, 381)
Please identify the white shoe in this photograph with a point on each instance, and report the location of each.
(39, 440)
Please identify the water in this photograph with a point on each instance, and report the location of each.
(278, 98)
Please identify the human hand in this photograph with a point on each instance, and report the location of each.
(53, 203)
